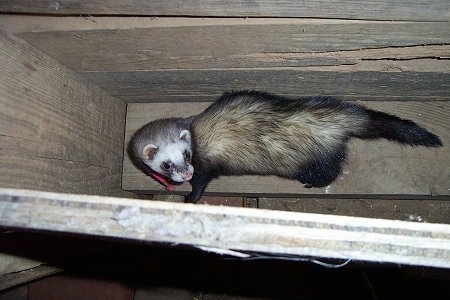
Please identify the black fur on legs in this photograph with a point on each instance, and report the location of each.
(200, 179)
(323, 171)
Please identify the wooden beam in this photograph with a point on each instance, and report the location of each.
(437, 10)
(59, 132)
(205, 85)
(183, 59)
(310, 43)
(229, 230)
(391, 208)
(377, 167)
(26, 275)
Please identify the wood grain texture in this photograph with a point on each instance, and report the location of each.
(26, 275)
(10, 263)
(311, 43)
(418, 210)
(205, 85)
(229, 230)
(149, 61)
(58, 131)
(373, 167)
(437, 10)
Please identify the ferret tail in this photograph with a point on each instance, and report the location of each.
(385, 126)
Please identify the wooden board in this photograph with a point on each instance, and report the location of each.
(437, 10)
(27, 275)
(206, 85)
(156, 60)
(229, 230)
(375, 168)
(311, 43)
(59, 132)
(417, 210)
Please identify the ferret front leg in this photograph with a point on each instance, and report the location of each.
(199, 183)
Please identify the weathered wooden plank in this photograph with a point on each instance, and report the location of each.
(206, 85)
(373, 167)
(171, 62)
(437, 10)
(404, 208)
(222, 229)
(10, 263)
(58, 131)
(311, 43)
(26, 275)
(435, 211)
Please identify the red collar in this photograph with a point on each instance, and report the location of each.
(162, 180)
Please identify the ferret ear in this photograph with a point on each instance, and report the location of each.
(149, 151)
(185, 135)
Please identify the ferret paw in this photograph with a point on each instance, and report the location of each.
(190, 198)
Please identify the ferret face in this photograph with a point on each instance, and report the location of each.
(171, 158)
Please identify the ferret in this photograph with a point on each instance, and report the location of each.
(258, 133)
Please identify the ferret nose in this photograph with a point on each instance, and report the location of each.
(186, 176)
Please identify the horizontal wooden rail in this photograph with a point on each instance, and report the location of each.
(436, 10)
(229, 230)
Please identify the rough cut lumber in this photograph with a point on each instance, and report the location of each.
(229, 230)
(426, 10)
(311, 43)
(205, 85)
(391, 208)
(377, 167)
(59, 132)
(26, 275)
(136, 61)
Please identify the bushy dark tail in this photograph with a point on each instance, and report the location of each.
(385, 126)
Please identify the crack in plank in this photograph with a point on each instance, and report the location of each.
(66, 160)
(358, 49)
(17, 137)
(407, 58)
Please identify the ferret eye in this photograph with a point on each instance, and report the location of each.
(187, 155)
(166, 166)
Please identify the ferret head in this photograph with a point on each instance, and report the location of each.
(165, 147)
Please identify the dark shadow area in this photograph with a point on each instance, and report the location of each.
(157, 265)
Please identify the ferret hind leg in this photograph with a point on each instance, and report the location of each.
(322, 172)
